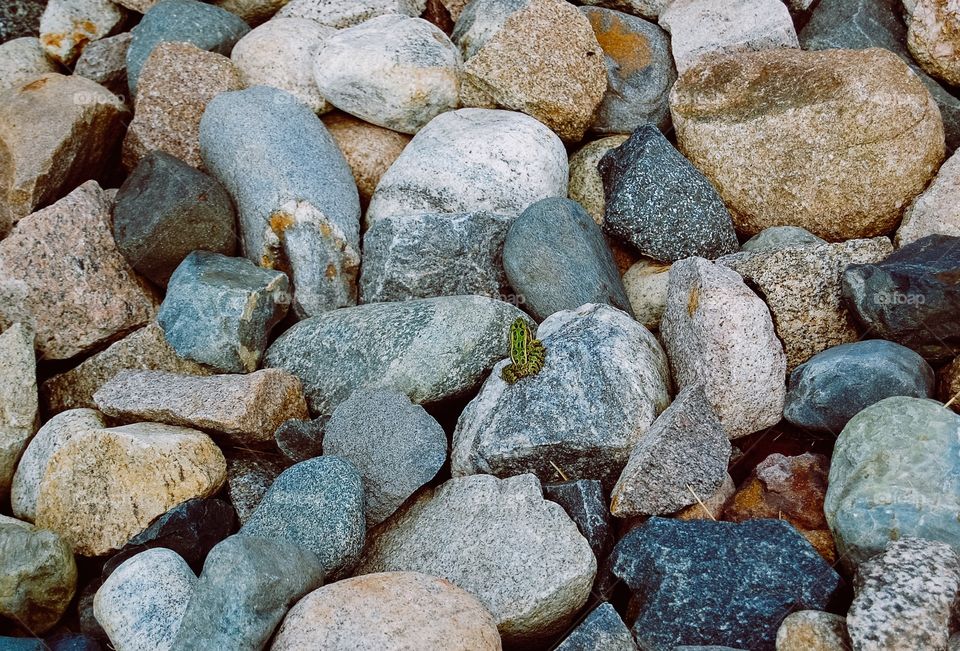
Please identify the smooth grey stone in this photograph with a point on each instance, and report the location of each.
(219, 311)
(602, 630)
(186, 21)
(247, 586)
(895, 473)
(396, 445)
(317, 504)
(831, 387)
(434, 254)
(556, 258)
(586, 504)
(861, 24)
(165, 210)
(640, 72)
(300, 440)
(660, 203)
(430, 349)
(604, 381)
(295, 195)
(781, 237)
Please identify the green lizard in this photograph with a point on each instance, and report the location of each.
(527, 354)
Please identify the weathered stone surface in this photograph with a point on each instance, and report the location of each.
(658, 202)
(585, 185)
(894, 474)
(246, 588)
(141, 604)
(165, 210)
(602, 630)
(705, 582)
(105, 62)
(544, 61)
(250, 473)
(19, 416)
(699, 28)
(143, 349)
(389, 610)
(240, 409)
(297, 201)
(709, 506)
(780, 237)
(842, 162)
(648, 9)
(813, 630)
(183, 21)
(219, 311)
(435, 254)
(347, 14)
(393, 71)
(684, 454)
(253, 12)
(20, 18)
(370, 150)
(66, 26)
(934, 211)
(801, 286)
(56, 132)
(396, 446)
(910, 296)
(604, 381)
(831, 387)
(61, 274)
(585, 502)
(718, 333)
(904, 596)
(499, 540)
(300, 440)
(280, 53)
(473, 159)
(103, 486)
(317, 504)
(556, 258)
(38, 575)
(640, 72)
(933, 37)
(646, 284)
(430, 349)
(176, 83)
(21, 61)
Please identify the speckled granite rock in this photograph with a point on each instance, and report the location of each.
(61, 273)
(934, 209)
(648, 9)
(300, 440)
(585, 502)
(709, 507)
(586, 185)
(66, 26)
(19, 417)
(601, 630)
(813, 630)
(250, 473)
(370, 150)
(347, 14)
(21, 61)
(105, 62)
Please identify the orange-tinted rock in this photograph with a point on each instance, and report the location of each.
(933, 37)
(369, 149)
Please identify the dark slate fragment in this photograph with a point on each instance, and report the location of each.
(300, 440)
(71, 642)
(660, 203)
(20, 18)
(249, 475)
(602, 630)
(585, 503)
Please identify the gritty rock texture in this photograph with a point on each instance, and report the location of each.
(586, 185)
(176, 83)
(20, 18)
(875, 496)
(802, 287)
(389, 610)
(61, 273)
(219, 311)
(781, 237)
(103, 486)
(710, 506)
(904, 596)
(141, 604)
(56, 132)
(556, 258)
(396, 446)
(719, 333)
(640, 72)
(933, 37)
(347, 14)
(19, 417)
(658, 202)
(499, 540)
(21, 61)
(294, 192)
(604, 381)
(473, 159)
(646, 284)
(105, 62)
(370, 150)
(66, 26)
(250, 473)
(585, 502)
(684, 454)
(813, 630)
(280, 53)
(300, 440)
(435, 254)
(602, 630)
(883, 153)
(239, 409)
(430, 349)
(648, 9)
(934, 211)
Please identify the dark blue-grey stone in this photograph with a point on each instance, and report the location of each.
(861, 24)
(585, 503)
(219, 311)
(660, 203)
(297, 201)
(556, 258)
(602, 630)
(22, 644)
(911, 297)
(830, 388)
(702, 582)
(300, 440)
(247, 586)
(71, 642)
(781, 237)
(165, 210)
(184, 21)
(317, 504)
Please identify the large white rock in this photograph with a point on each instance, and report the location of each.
(66, 26)
(473, 159)
(18, 399)
(347, 13)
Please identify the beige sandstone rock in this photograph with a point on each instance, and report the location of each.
(933, 37)
(813, 630)
(21, 61)
(18, 399)
(646, 286)
(370, 150)
(936, 209)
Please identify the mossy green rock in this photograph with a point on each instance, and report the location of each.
(895, 474)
